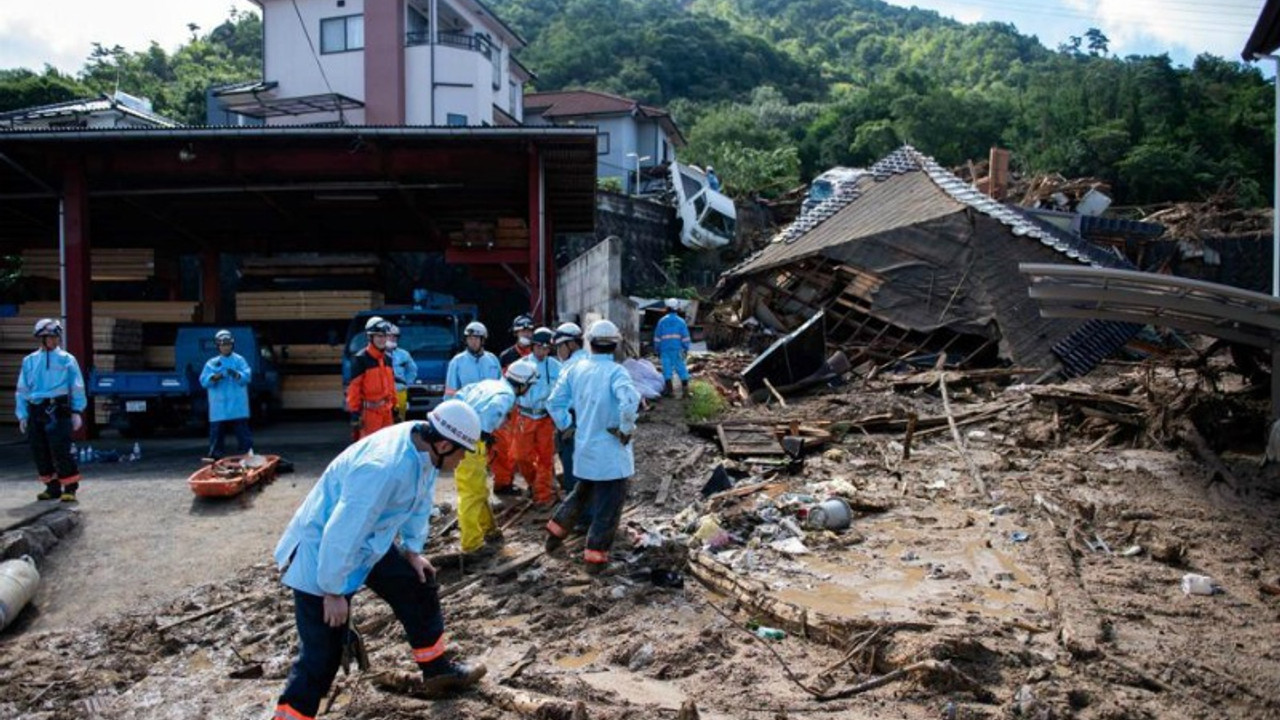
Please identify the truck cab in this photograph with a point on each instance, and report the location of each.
(140, 401)
(431, 330)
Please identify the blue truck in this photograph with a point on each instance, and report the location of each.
(140, 401)
(431, 330)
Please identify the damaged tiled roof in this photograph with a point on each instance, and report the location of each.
(833, 222)
(907, 213)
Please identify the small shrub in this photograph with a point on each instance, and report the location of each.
(704, 401)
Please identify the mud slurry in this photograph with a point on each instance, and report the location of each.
(1048, 626)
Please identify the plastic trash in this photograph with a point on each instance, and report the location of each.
(708, 527)
(1019, 537)
(1193, 584)
(770, 633)
(790, 546)
(1001, 510)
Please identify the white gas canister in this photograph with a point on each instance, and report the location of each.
(18, 582)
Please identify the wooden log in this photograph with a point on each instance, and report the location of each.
(665, 489)
(955, 431)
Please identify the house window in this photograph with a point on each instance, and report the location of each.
(417, 28)
(516, 97)
(455, 120)
(342, 34)
(602, 143)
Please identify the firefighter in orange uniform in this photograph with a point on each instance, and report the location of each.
(371, 394)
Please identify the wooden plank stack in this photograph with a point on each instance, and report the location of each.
(312, 392)
(310, 355)
(130, 264)
(304, 304)
(507, 232)
(293, 266)
(162, 311)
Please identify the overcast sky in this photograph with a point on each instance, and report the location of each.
(61, 32)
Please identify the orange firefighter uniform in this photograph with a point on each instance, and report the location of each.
(371, 395)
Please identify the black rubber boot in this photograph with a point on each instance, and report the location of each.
(666, 388)
(52, 491)
(443, 676)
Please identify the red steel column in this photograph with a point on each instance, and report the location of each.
(536, 250)
(76, 287)
(384, 89)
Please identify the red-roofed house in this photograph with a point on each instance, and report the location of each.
(627, 130)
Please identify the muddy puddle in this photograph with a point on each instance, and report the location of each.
(943, 568)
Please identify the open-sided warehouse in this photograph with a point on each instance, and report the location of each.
(170, 218)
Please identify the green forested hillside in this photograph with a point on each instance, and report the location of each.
(865, 77)
(775, 91)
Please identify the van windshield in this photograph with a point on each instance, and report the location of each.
(719, 223)
(422, 336)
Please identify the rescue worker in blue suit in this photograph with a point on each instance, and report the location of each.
(344, 535)
(569, 350)
(492, 400)
(671, 339)
(403, 368)
(605, 404)
(473, 364)
(226, 376)
(50, 399)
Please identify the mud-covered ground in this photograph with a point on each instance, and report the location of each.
(1056, 593)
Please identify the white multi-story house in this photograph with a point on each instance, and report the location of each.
(383, 62)
(629, 135)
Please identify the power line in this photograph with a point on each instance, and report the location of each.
(1177, 22)
(316, 56)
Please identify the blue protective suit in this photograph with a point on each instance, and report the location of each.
(671, 338)
(404, 368)
(602, 397)
(378, 488)
(534, 401)
(48, 374)
(465, 369)
(492, 400)
(229, 394)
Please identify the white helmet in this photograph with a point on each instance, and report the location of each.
(672, 304)
(522, 372)
(568, 332)
(372, 323)
(604, 332)
(476, 329)
(455, 421)
(393, 329)
(47, 326)
(223, 336)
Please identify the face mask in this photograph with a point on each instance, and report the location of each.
(391, 344)
(524, 341)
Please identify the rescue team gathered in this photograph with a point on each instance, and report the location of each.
(367, 519)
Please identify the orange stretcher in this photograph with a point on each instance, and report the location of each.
(233, 475)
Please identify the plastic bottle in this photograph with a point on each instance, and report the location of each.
(769, 633)
(137, 451)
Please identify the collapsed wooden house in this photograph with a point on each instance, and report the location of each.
(908, 261)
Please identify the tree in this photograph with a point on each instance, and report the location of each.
(1096, 41)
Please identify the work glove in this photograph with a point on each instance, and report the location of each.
(356, 423)
(215, 377)
(234, 375)
(77, 422)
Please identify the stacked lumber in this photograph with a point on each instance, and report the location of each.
(311, 392)
(159, 357)
(305, 266)
(161, 311)
(105, 263)
(109, 334)
(507, 232)
(304, 304)
(10, 364)
(310, 355)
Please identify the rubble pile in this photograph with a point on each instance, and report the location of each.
(1215, 218)
(915, 545)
